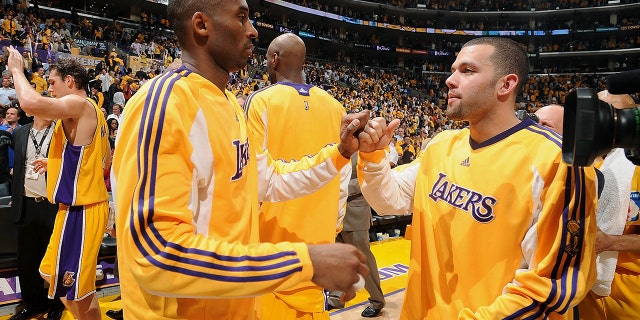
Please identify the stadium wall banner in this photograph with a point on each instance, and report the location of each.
(264, 25)
(283, 29)
(607, 29)
(11, 292)
(137, 63)
(86, 61)
(633, 27)
(42, 54)
(306, 34)
(86, 42)
(434, 30)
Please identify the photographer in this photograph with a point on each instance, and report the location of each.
(622, 301)
(607, 299)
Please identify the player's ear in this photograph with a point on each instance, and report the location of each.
(507, 84)
(199, 23)
(276, 60)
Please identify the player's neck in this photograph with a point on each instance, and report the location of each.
(486, 129)
(210, 71)
(290, 78)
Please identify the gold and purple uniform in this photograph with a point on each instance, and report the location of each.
(292, 121)
(501, 229)
(623, 302)
(187, 201)
(76, 182)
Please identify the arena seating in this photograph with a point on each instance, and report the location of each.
(388, 224)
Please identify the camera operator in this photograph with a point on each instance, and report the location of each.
(622, 302)
(606, 300)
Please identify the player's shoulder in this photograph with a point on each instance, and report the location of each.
(452, 134)
(179, 84)
(536, 134)
(263, 93)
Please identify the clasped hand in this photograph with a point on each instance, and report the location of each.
(377, 134)
(359, 132)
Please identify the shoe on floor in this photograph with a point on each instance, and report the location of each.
(29, 311)
(55, 314)
(55, 310)
(115, 314)
(370, 312)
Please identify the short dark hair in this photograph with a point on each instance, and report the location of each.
(73, 68)
(179, 11)
(12, 106)
(508, 57)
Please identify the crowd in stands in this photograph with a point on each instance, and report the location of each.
(382, 15)
(435, 42)
(417, 99)
(490, 5)
(33, 29)
(417, 96)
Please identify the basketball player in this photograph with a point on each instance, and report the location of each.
(187, 186)
(502, 228)
(292, 119)
(78, 153)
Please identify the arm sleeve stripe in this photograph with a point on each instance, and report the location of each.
(145, 139)
(216, 277)
(564, 261)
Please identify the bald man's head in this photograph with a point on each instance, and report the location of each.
(551, 116)
(285, 58)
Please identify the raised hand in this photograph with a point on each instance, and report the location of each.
(14, 62)
(336, 267)
(377, 134)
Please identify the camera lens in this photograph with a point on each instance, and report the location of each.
(593, 127)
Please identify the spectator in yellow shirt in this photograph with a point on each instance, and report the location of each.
(9, 26)
(38, 78)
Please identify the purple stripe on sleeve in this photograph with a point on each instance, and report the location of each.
(148, 158)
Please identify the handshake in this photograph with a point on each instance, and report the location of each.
(359, 132)
(339, 266)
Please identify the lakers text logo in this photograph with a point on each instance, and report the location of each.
(479, 206)
(242, 158)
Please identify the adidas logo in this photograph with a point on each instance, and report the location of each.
(303, 90)
(465, 162)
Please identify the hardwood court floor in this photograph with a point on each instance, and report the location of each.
(392, 257)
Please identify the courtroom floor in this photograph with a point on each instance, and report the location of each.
(392, 256)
